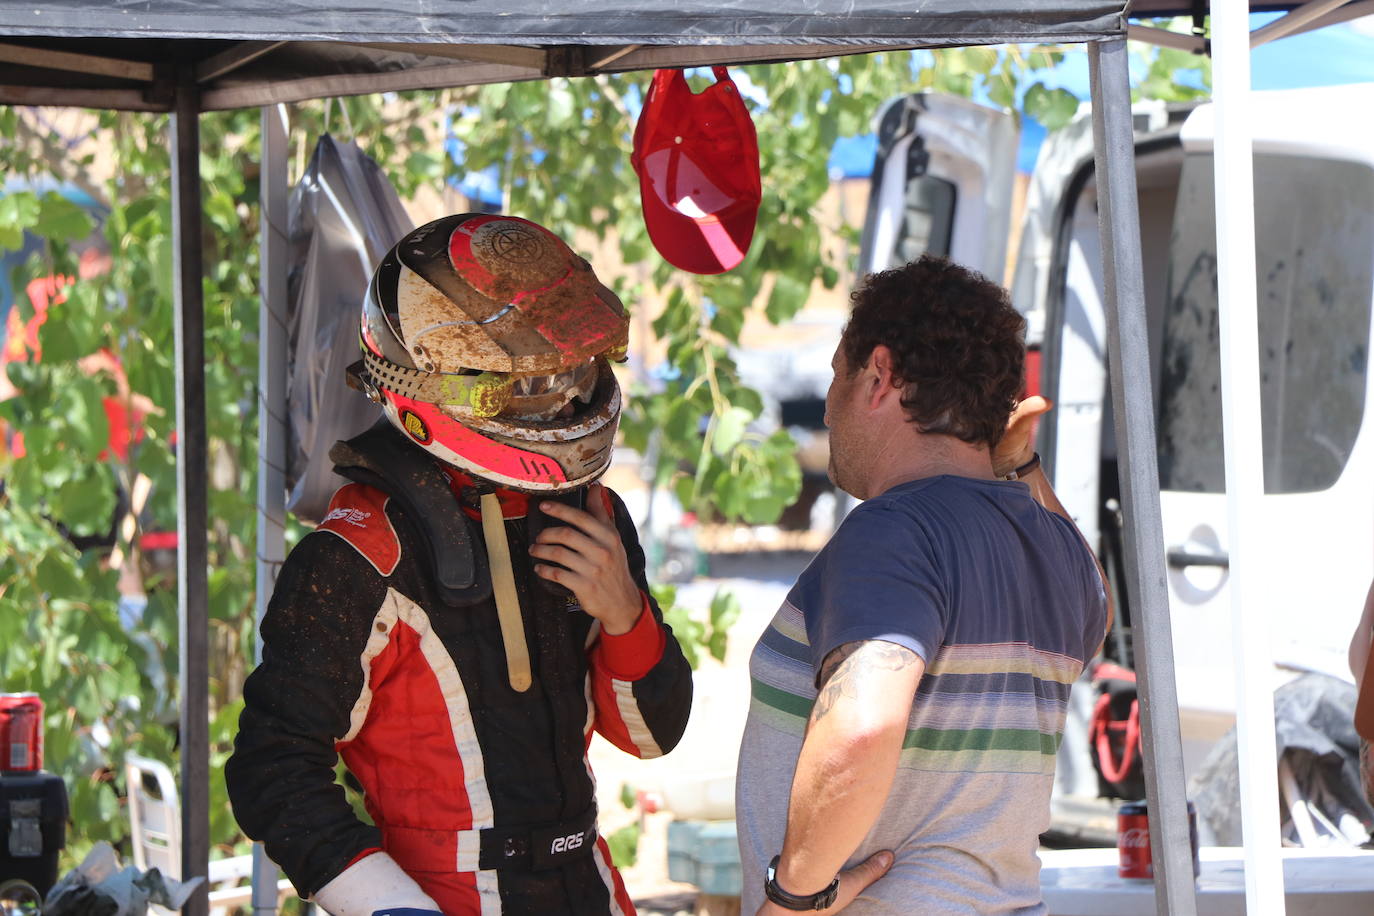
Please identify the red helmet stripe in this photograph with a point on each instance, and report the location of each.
(514, 463)
(464, 261)
(586, 330)
(577, 329)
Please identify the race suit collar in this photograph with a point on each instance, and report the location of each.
(466, 489)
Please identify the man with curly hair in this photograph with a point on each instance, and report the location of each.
(910, 694)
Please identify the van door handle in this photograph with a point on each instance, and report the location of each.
(1180, 558)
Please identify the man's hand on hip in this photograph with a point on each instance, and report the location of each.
(852, 882)
(592, 557)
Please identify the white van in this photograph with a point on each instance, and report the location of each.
(1314, 229)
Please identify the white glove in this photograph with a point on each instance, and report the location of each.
(375, 886)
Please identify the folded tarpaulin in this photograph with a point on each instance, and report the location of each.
(1314, 732)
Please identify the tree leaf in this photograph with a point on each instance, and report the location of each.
(729, 429)
(725, 609)
(1054, 108)
(18, 211)
(624, 845)
(786, 299)
(60, 219)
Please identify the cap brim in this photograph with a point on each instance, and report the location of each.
(710, 243)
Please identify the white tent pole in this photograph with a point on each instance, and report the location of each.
(271, 413)
(1128, 357)
(1244, 449)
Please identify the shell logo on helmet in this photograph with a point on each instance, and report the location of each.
(488, 341)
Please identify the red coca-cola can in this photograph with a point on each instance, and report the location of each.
(21, 731)
(1133, 841)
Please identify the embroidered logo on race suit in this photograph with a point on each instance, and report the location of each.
(567, 843)
(344, 513)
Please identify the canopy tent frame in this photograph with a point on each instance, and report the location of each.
(1303, 17)
(116, 57)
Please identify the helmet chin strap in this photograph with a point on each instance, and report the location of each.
(507, 601)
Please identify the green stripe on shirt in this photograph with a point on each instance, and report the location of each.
(1019, 740)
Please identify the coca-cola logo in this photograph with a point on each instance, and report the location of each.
(1135, 838)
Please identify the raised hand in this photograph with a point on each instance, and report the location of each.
(1017, 444)
(592, 559)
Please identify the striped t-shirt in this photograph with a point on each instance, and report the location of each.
(1002, 601)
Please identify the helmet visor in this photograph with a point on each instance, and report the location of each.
(544, 397)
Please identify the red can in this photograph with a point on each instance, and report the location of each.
(1133, 841)
(21, 731)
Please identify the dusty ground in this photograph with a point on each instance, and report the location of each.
(698, 776)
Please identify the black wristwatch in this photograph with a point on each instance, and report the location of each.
(817, 901)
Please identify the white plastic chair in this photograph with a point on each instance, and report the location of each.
(155, 826)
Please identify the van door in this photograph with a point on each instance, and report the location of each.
(1314, 202)
(942, 183)
(1314, 236)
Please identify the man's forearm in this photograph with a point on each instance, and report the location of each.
(840, 787)
(848, 759)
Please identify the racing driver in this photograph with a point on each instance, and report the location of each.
(471, 608)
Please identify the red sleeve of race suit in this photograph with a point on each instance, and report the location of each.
(633, 654)
(641, 683)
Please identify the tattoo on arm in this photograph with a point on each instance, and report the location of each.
(848, 665)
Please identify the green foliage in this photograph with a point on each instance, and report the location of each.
(109, 681)
(1053, 108)
(1162, 77)
(694, 634)
(624, 844)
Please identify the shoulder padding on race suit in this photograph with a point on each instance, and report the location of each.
(382, 459)
(357, 513)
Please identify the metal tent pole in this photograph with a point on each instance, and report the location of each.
(1243, 447)
(192, 498)
(272, 236)
(1128, 354)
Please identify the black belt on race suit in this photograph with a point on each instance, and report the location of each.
(539, 848)
(526, 848)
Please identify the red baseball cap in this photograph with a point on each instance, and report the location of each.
(697, 157)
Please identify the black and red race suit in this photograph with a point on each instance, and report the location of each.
(481, 793)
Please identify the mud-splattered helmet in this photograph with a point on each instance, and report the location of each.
(487, 341)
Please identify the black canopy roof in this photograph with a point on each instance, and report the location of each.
(255, 52)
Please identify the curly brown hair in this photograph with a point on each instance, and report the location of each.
(956, 341)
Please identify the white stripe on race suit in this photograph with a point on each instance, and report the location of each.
(603, 865)
(489, 893)
(396, 608)
(634, 722)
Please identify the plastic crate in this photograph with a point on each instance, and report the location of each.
(706, 854)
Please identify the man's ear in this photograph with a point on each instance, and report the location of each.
(879, 376)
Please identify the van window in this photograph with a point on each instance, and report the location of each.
(928, 219)
(1314, 238)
